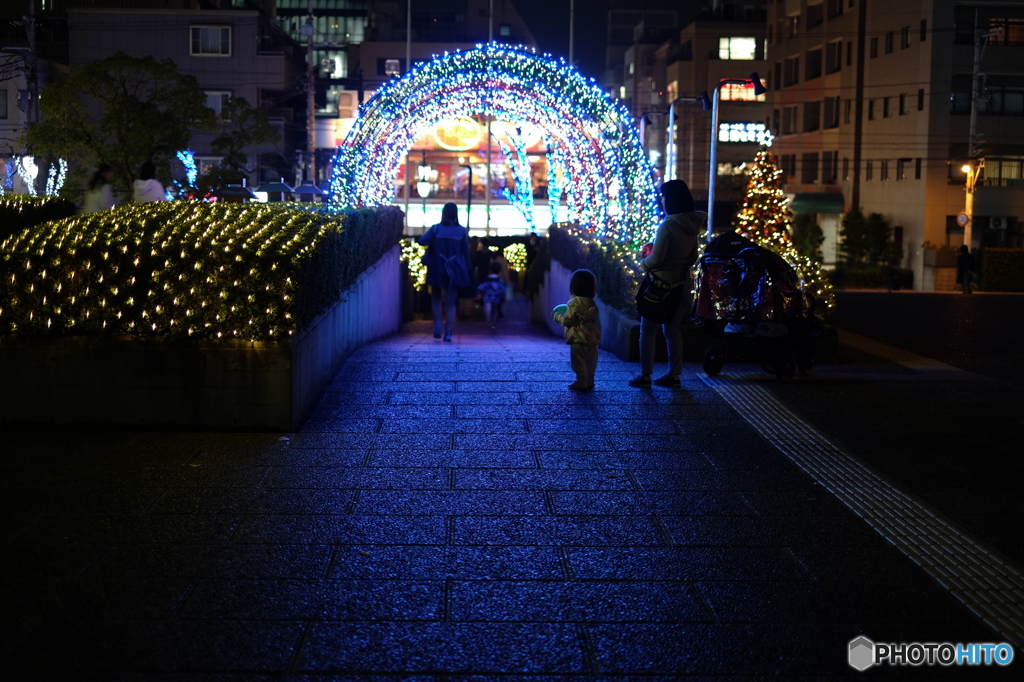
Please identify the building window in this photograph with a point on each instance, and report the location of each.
(789, 165)
(874, 47)
(1005, 102)
(901, 169)
(3, 103)
(392, 67)
(812, 116)
(920, 99)
(835, 8)
(831, 119)
(216, 99)
(737, 48)
(904, 37)
(846, 168)
(884, 171)
(505, 30)
(791, 71)
(815, 15)
(886, 110)
(791, 26)
(812, 69)
(1011, 31)
(903, 104)
(210, 41)
(924, 30)
(738, 92)
(917, 168)
(847, 110)
(849, 53)
(889, 42)
(834, 56)
(871, 110)
(809, 168)
(777, 81)
(789, 116)
(829, 166)
(869, 170)
(740, 132)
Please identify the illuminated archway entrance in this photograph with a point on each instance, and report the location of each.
(609, 185)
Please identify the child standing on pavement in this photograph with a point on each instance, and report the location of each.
(492, 290)
(582, 328)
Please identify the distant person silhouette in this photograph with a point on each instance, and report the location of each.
(965, 269)
(448, 267)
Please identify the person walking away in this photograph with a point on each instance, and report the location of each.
(448, 266)
(498, 256)
(99, 196)
(965, 269)
(582, 323)
(492, 290)
(147, 188)
(669, 259)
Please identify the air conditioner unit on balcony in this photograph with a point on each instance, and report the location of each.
(997, 222)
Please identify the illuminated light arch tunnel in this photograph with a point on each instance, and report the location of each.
(609, 184)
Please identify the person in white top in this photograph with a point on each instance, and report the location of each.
(147, 187)
(99, 197)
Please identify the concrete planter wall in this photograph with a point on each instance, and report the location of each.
(87, 381)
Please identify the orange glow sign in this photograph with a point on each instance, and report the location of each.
(458, 134)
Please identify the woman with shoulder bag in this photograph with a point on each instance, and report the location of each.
(448, 266)
(666, 263)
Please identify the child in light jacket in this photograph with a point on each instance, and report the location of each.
(492, 290)
(582, 328)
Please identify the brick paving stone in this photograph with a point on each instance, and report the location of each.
(450, 511)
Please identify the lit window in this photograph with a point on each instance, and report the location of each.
(739, 92)
(216, 99)
(211, 41)
(737, 48)
(392, 67)
(740, 132)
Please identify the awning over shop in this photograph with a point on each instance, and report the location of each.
(817, 202)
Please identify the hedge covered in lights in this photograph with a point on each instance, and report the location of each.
(187, 270)
(20, 211)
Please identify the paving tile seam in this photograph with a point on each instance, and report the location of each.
(925, 537)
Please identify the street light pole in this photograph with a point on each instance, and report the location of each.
(670, 145)
(469, 193)
(759, 89)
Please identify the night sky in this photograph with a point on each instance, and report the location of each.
(549, 22)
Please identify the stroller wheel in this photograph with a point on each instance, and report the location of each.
(713, 362)
(785, 368)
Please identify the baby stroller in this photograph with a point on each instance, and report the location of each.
(750, 300)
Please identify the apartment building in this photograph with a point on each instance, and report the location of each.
(232, 53)
(727, 41)
(871, 104)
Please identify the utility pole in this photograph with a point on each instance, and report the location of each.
(307, 30)
(572, 24)
(975, 161)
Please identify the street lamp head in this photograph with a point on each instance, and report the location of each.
(759, 88)
(966, 168)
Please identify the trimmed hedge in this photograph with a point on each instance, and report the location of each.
(1002, 269)
(871, 277)
(614, 264)
(258, 272)
(20, 211)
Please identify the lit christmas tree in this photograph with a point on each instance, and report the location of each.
(765, 219)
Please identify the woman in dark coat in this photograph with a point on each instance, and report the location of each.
(448, 266)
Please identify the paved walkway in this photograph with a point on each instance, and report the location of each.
(451, 512)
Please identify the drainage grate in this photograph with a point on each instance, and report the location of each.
(986, 584)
